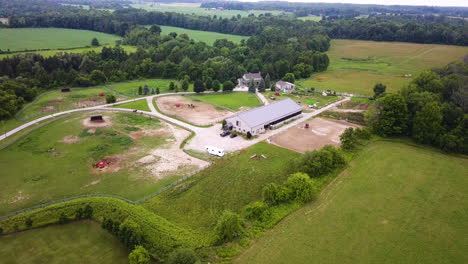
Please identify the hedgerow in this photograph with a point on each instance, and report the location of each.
(159, 236)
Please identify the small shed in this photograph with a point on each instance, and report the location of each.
(96, 118)
(65, 90)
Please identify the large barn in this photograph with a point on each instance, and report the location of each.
(257, 120)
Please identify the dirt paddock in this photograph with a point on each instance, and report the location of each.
(321, 132)
(200, 114)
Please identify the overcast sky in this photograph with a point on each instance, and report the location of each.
(389, 2)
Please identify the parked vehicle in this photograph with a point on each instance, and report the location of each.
(215, 151)
(225, 133)
(233, 135)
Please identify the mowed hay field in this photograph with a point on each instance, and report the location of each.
(20, 39)
(194, 8)
(233, 101)
(356, 65)
(396, 203)
(78, 242)
(205, 36)
(57, 161)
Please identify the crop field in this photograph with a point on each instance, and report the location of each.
(79, 242)
(356, 65)
(205, 36)
(20, 39)
(56, 101)
(194, 8)
(58, 160)
(229, 184)
(233, 101)
(396, 203)
(52, 52)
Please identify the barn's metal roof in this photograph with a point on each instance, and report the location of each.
(269, 113)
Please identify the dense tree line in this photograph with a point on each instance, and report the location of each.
(432, 110)
(337, 9)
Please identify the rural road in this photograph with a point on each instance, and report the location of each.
(204, 136)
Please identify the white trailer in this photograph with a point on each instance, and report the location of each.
(215, 151)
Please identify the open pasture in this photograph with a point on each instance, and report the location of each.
(21, 39)
(192, 111)
(57, 161)
(356, 65)
(205, 36)
(78, 242)
(396, 203)
(52, 52)
(195, 9)
(229, 184)
(321, 132)
(310, 18)
(234, 101)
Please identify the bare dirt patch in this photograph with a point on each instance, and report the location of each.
(162, 162)
(92, 130)
(321, 132)
(107, 122)
(19, 197)
(70, 139)
(89, 102)
(200, 114)
(48, 109)
(55, 101)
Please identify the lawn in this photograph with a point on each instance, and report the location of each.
(19, 39)
(230, 184)
(233, 101)
(303, 98)
(396, 203)
(52, 52)
(310, 18)
(138, 105)
(205, 36)
(56, 161)
(79, 242)
(356, 65)
(194, 8)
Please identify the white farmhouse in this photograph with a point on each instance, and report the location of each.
(285, 87)
(257, 120)
(246, 78)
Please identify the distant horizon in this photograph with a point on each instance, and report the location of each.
(438, 3)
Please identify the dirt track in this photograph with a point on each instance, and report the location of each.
(201, 114)
(320, 133)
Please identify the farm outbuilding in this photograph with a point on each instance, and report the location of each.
(65, 90)
(96, 118)
(285, 87)
(257, 120)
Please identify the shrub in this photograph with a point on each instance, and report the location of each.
(363, 133)
(229, 227)
(130, 233)
(182, 256)
(348, 139)
(228, 86)
(274, 194)
(338, 159)
(110, 99)
(319, 162)
(28, 222)
(257, 211)
(301, 187)
(139, 256)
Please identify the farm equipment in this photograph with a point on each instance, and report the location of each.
(306, 126)
(101, 164)
(101, 94)
(178, 105)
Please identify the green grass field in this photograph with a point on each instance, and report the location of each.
(194, 8)
(79, 242)
(233, 101)
(315, 97)
(356, 65)
(56, 101)
(311, 18)
(230, 184)
(205, 36)
(56, 161)
(19, 39)
(49, 53)
(139, 105)
(396, 203)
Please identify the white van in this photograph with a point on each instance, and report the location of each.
(215, 151)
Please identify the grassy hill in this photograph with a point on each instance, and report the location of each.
(397, 203)
(205, 36)
(79, 242)
(19, 39)
(356, 65)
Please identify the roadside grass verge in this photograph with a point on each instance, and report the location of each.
(404, 202)
(233, 101)
(79, 242)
